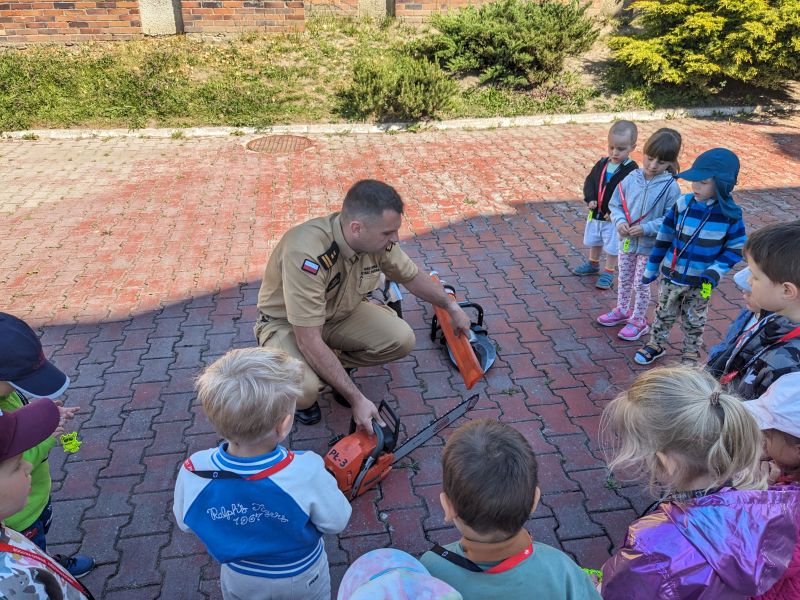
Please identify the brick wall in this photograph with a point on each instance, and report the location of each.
(25, 21)
(51, 21)
(231, 16)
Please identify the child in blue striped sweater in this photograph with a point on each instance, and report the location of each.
(700, 240)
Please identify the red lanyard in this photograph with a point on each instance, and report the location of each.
(602, 186)
(728, 377)
(675, 254)
(512, 561)
(644, 214)
(45, 560)
(284, 462)
(465, 563)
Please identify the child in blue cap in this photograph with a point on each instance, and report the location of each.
(700, 239)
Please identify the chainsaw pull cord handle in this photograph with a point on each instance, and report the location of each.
(370, 460)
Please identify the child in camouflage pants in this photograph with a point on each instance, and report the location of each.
(700, 240)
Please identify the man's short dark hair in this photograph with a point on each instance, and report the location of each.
(776, 251)
(367, 200)
(490, 476)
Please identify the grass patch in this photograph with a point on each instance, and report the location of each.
(257, 81)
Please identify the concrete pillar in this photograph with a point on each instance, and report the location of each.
(161, 17)
(376, 8)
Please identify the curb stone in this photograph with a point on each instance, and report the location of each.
(366, 128)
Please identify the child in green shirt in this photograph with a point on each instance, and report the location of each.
(491, 487)
(25, 373)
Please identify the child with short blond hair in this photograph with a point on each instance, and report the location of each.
(706, 538)
(260, 509)
(600, 234)
(491, 486)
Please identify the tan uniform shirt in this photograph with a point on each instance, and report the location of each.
(313, 276)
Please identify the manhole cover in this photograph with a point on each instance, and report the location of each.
(279, 144)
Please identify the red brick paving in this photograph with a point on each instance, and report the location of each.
(140, 261)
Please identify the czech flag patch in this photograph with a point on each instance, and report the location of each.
(309, 266)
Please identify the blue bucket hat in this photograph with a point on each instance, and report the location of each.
(723, 166)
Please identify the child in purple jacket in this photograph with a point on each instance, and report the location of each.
(718, 532)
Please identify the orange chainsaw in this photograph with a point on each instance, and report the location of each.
(360, 461)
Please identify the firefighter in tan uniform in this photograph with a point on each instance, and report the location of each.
(312, 302)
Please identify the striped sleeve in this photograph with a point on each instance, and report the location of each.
(666, 234)
(730, 255)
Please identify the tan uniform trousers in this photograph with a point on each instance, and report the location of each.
(370, 335)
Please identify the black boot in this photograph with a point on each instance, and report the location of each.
(341, 400)
(310, 415)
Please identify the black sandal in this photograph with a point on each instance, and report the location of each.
(648, 354)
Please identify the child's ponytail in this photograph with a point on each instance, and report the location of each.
(736, 456)
(682, 412)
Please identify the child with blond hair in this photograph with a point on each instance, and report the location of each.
(259, 508)
(599, 233)
(717, 532)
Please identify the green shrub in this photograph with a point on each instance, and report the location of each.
(708, 42)
(511, 42)
(396, 86)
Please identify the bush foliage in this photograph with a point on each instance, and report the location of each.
(510, 42)
(708, 42)
(395, 86)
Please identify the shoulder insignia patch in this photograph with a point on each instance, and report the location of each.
(328, 258)
(309, 266)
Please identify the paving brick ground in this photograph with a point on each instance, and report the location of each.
(140, 261)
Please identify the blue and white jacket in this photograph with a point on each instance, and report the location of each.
(268, 526)
(708, 244)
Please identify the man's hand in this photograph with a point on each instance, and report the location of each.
(364, 411)
(623, 229)
(459, 319)
(593, 204)
(635, 231)
(426, 288)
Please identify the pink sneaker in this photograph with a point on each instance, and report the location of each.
(615, 317)
(633, 331)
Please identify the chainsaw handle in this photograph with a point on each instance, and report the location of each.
(387, 436)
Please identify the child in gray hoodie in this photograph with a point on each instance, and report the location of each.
(637, 209)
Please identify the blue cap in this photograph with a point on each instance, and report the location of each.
(723, 166)
(22, 361)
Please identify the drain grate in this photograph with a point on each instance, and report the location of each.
(279, 144)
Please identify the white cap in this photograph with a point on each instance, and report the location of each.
(742, 280)
(779, 407)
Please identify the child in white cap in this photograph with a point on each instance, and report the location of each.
(777, 413)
